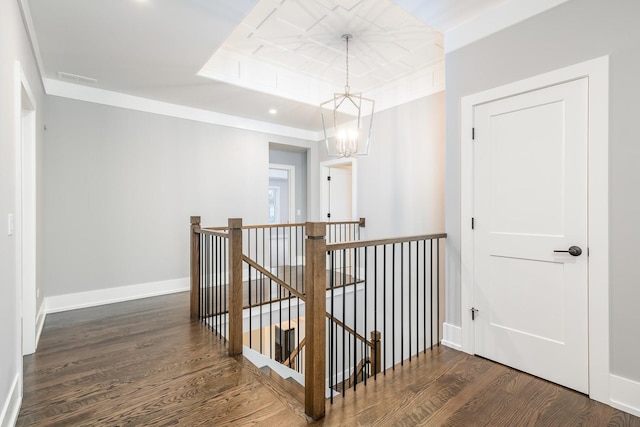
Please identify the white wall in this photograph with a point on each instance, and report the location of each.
(401, 181)
(121, 185)
(573, 32)
(13, 47)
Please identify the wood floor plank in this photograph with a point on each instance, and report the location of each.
(144, 363)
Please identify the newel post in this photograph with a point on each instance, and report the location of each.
(376, 352)
(315, 276)
(235, 286)
(194, 235)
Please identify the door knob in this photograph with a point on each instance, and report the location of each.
(573, 251)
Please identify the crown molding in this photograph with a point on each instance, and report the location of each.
(495, 20)
(117, 99)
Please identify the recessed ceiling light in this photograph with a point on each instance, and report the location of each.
(273, 111)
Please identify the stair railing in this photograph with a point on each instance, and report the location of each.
(338, 290)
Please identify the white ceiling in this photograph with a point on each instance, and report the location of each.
(243, 57)
(304, 38)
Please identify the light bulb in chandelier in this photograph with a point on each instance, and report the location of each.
(347, 142)
(347, 119)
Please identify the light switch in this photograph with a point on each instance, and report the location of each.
(10, 224)
(298, 212)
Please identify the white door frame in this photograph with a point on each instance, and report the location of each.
(291, 187)
(25, 211)
(324, 186)
(597, 72)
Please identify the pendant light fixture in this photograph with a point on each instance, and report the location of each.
(347, 119)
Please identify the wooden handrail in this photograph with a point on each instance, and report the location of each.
(273, 277)
(349, 330)
(380, 242)
(302, 224)
(294, 354)
(221, 228)
(224, 235)
(361, 222)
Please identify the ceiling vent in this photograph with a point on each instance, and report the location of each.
(76, 78)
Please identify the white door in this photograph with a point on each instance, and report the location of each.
(530, 178)
(340, 197)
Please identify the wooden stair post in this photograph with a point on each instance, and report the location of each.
(315, 318)
(194, 236)
(376, 352)
(235, 287)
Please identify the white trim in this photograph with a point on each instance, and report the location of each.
(77, 300)
(451, 336)
(11, 406)
(324, 187)
(33, 39)
(597, 71)
(116, 99)
(42, 315)
(25, 210)
(494, 20)
(625, 395)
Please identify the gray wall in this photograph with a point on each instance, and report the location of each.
(401, 182)
(299, 160)
(14, 46)
(573, 32)
(121, 185)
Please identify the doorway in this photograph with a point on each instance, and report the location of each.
(282, 194)
(595, 246)
(339, 190)
(25, 217)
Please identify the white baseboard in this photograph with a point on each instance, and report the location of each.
(624, 394)
(11, 406)
(42, 314)
(77, 300)
(452, 336)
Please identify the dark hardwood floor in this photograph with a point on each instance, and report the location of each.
(143, 363)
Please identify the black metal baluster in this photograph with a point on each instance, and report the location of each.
(355, 317)
(332, 342)
(375, 302)
(393, 306)
(223, 266)
(417, 298)
(384, 305)
(409, 292)
(204, 266)
(249, 290)
(438, 290)
(261, 291)
(401, 303)
(366, 300)
(431, 290)
(424, 294)
(344, 318)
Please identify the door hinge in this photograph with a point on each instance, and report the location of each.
(473, 313)
(473, 133)
(328, 178)
(473, 223)
(328, 215)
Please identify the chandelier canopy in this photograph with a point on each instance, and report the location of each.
(347, 119)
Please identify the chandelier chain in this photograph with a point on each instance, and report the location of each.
(347, 37)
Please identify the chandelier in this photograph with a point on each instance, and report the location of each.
(347, 119)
